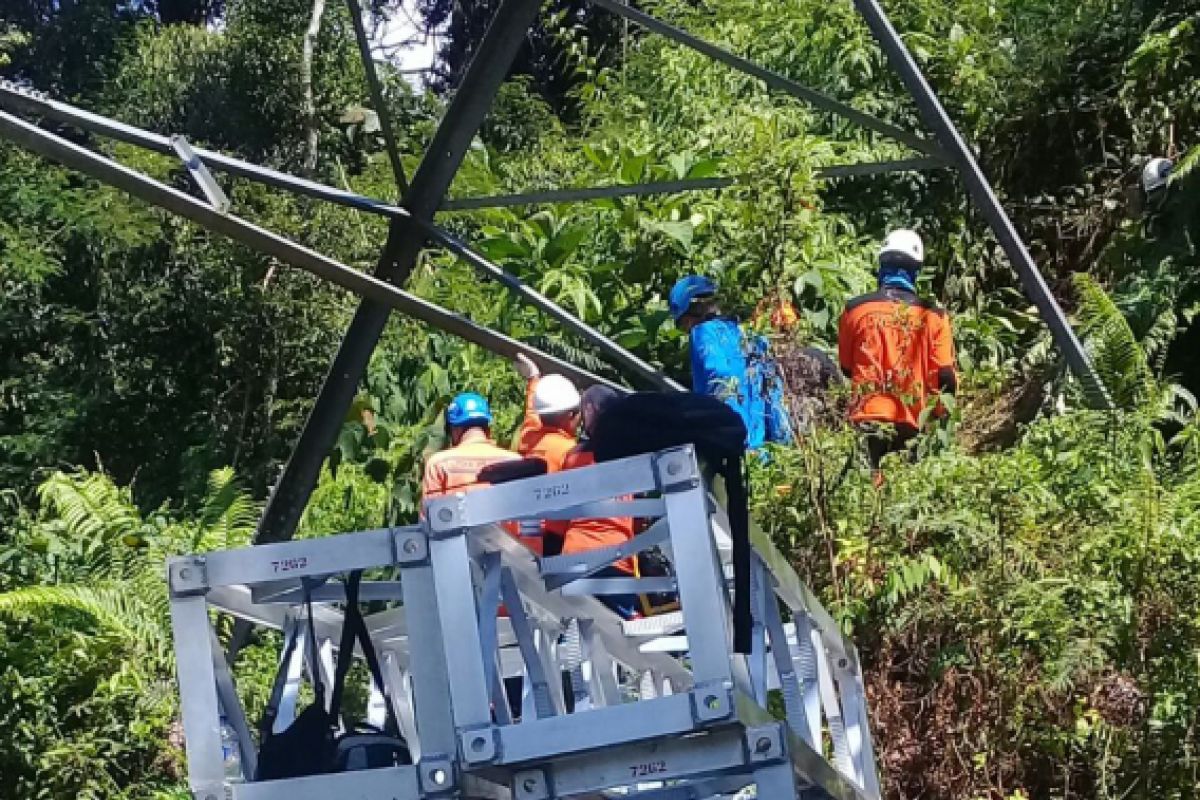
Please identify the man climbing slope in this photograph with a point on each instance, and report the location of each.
(897, 350)
(469, 428)
(726, 365)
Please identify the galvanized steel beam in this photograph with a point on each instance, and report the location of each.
(772, 79)
(376, 89)
(458, 127)
(63, 112)
(151, 191)
(585, 194)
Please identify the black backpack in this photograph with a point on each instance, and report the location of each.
(308, 746)
(645, 422)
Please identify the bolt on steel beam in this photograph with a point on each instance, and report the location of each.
(200, 174)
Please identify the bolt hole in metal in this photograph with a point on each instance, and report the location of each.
(409, 546)
(438, 776)
(712, 702)
(478, 743)
(445, 515)
(530, 784)
(763, 744)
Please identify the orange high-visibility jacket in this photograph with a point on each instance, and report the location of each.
(457, 469)
(536, 440)
(898, 351)
(582, 535)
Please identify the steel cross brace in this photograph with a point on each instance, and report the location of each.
(207, 158)
(377, 96)
(588, 193)
(771, 79)
(382, 294)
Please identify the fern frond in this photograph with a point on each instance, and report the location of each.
(578, 357)
(115, 607)
(91, 505)
(1186, 165)
(229, 516)
(1115, 351)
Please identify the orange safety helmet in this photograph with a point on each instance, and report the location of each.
(780, 313)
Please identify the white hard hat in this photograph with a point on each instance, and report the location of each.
(554, 394)
(1154, 174)
(904, 242)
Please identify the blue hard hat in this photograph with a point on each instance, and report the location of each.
(468, 408)
(686, 290)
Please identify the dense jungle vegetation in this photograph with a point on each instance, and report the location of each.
(1024, 596)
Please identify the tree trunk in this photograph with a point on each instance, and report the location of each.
(312, 133)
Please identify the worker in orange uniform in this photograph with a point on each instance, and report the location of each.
(551, 415)
(469, 429)
(897, 349)
(547, 433)
(582, 535)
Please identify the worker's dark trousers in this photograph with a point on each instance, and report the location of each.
(883, 439)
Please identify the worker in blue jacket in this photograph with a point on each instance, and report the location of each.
(729, 366)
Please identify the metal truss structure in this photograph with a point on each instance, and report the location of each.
(476, 608)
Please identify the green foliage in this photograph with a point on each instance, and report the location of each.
(1025, 596)
(1028, 615)
(85, 651)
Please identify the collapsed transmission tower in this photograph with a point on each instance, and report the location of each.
(659, 708)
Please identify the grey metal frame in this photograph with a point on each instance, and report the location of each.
(13, 98)
(694, 725)
(458, 127)
(589, 193)
(377, 97)
(380, 292)
(771, 79)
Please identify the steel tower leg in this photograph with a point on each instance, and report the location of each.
(405, 240)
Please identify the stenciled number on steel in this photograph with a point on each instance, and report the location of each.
(290, 564)
(647, 768)
(550, 492)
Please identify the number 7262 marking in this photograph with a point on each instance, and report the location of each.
(647, 769)
(290, 564)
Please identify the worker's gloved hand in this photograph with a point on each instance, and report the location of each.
(525, 367)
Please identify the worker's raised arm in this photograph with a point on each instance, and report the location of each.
(530, 423)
